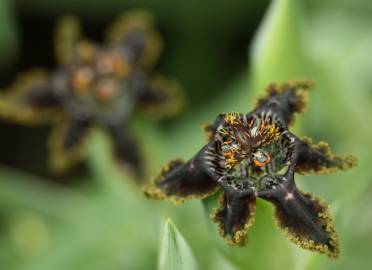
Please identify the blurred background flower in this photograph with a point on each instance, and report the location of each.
(95, 85)
(92, 218)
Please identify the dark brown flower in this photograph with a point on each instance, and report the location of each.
(254, 155)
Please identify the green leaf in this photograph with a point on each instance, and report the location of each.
(175, 254)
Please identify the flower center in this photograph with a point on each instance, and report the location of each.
(260, 158)
(244, 138)
(253, 147)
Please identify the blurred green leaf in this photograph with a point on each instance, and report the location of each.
(8, 35)
(175, 254)
(277, 52)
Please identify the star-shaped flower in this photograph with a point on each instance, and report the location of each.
(95, 85)
(254, 155)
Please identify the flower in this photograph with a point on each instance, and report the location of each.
(95, 85)
(254, 155)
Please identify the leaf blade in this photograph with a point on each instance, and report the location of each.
(175, 253)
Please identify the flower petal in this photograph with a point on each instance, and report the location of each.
(211, 129)
(305, 219)
(179, 180)
(125, 149)
(235, 214)
(134, 32)
(161, 97)
(30, 100)
(66, 37)
(319, 159)
(285, 100)
(66, 144)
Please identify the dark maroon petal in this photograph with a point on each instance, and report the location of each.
(67, 143)
(30, 100)
(236, 214)
(159, 97)
(135, 42)
(41, 96)
(285, 100)
(76, 130)
(211, 129)
(133, 33)
(305, 219)
(319, 159)
(126, 149)
(179, 180)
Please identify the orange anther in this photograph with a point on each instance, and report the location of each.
(261, 163)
